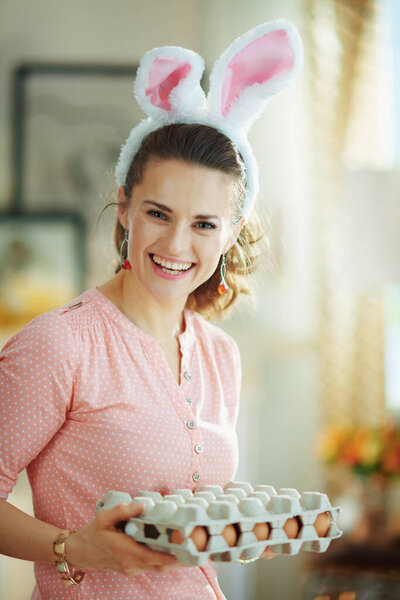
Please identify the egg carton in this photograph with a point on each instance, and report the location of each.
(214, 507)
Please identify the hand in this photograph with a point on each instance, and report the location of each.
(100, 545)
(268, 554)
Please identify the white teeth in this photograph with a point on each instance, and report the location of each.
(170, 271)
(172, 266)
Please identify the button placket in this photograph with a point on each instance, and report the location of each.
(186, 347)
(191, 423)
(197, 449)
(187, 344)
(188, 376)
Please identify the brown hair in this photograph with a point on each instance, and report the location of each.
(204, 145)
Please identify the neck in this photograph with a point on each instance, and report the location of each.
(163, 320)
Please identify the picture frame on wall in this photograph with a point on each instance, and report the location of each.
(68, 125)
(42, 265)
(69, 122)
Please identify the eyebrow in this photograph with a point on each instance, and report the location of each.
(167, 209)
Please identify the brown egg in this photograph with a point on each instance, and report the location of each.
(176, 537)
(261, 530)
(291, 527)
(229, 535)
(322, 524)
(198, 535)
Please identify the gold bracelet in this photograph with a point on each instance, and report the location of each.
(62, 567)
(246, 561)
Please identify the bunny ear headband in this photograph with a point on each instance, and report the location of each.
(256, 66)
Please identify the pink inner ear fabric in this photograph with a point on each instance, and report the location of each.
(258, 62)
(165, 74)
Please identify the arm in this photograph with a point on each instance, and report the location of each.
(36, 385)
(96, 546)
(24, 537)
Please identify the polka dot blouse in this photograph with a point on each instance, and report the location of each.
(89, 403)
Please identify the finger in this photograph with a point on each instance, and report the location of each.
(162, 558)
(120, 512)
(128, 546)
(152, 563)
(268, 553)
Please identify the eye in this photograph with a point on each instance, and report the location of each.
(209, 225)
(153, 213)
(163, 217)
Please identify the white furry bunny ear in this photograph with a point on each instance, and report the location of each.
(167, 83)
(257, 65)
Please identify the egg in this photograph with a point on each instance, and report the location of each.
(229, 534)
(199, 536)
(261, 530)
(291, 527)
(322, 524)
(176, 537)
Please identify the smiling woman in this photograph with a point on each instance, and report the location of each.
(202, 150)
(129, 387)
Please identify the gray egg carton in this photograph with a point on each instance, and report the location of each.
(214, 507)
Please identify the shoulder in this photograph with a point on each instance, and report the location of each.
(45, 339)
(220, 340)
(48, 332)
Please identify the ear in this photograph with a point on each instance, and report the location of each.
(256, 66)
(233, 235)
(168, 82)
(123, 208)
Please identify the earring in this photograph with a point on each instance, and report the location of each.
(124, 264)
(223, 286)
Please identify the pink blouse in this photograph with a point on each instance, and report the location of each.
(89, 403)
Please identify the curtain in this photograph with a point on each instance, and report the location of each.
(349, 74)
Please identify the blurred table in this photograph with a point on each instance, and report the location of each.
(353, 571)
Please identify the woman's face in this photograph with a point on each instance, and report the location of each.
(180, 213)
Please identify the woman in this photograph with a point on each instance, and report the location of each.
(127, 387)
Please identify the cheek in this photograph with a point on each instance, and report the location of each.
(211, 253)
(143, 234)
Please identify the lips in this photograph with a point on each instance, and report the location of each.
(169, 275)
(172, 269)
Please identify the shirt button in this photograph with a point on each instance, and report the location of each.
(191, 424)
(188, 399)
(196, 476)
(199, 449)
(187, 375)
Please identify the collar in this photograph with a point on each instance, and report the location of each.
(186, 338)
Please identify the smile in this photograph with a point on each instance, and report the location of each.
(171, 266)
(168, 270)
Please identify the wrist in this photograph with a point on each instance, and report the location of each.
(68, 574)
(71, 549)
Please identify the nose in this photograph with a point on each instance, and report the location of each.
(177, 241)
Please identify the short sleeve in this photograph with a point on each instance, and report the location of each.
(36, 385)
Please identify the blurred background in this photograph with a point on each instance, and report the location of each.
(320, 402)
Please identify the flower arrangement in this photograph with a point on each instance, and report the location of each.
(363, 449)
